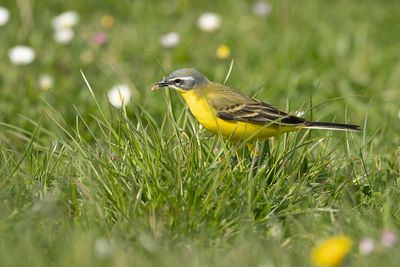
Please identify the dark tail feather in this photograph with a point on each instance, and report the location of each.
(332, 126)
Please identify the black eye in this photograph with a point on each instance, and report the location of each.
(178, 81)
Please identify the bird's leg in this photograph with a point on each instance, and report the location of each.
(255, 154)
(238, 152)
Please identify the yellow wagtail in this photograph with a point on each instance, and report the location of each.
(221, 109)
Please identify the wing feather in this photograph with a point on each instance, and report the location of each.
(231, 105)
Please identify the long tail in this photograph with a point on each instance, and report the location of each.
(332, 126)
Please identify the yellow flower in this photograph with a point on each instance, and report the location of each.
(223, 52)
(332, 251)
(107, 21)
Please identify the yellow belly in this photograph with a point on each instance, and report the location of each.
(201, 110)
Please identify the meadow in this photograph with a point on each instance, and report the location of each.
(89, 180)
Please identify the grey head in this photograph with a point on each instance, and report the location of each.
(183, 79)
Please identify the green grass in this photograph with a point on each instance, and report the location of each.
(85, 184)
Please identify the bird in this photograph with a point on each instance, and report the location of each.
(233, 115)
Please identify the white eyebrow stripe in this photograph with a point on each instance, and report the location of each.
(184, 78)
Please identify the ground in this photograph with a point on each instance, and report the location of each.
(83, 183)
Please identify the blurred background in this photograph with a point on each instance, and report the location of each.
(82, 186)
(345, 54)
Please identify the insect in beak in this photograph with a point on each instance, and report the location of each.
(159, 85)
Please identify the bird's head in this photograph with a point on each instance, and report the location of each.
(182, 80)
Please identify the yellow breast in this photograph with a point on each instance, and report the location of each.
(234, 130)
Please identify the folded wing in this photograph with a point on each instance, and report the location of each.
(258, 113)
(231, 105)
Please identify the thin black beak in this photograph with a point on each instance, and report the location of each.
(159, 85)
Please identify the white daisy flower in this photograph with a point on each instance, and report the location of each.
(170, 40)
(45, 82)
(366, 246)
(261, 8)
(209, 22)
(63, 35)
(21, 55)
(4, 15)
(65, 20)
(119, 95)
